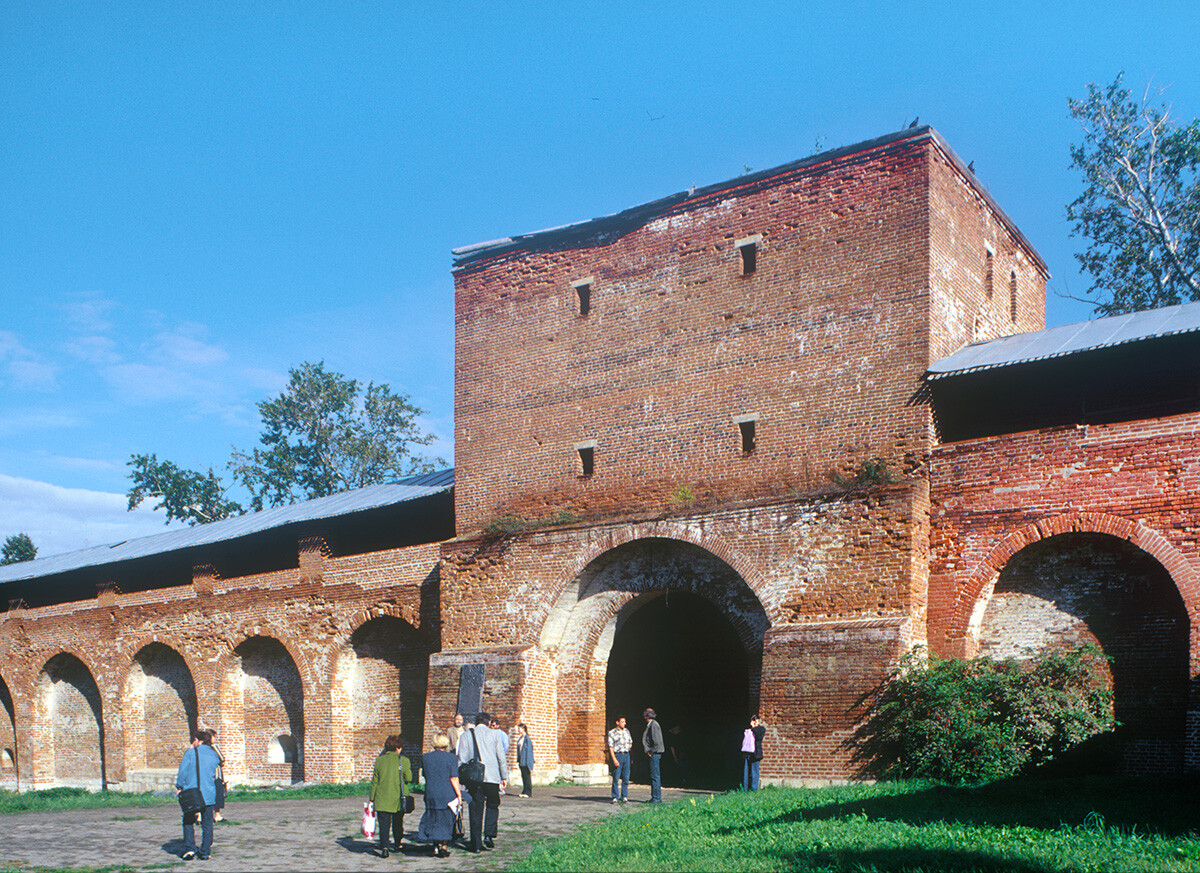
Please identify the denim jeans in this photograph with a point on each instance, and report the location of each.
(620, 775)
(655, 777)
(750, 774)
(206, 832)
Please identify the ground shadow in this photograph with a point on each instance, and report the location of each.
(1168, 807)
(175, 847)
(911, 858)
(606, 798)
(357, 846)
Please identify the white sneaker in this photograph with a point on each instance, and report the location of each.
(615, 800)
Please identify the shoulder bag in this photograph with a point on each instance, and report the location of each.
(407, 804)
(192, 799)
(473, 770)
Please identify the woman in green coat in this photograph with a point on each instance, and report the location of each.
(387, 792)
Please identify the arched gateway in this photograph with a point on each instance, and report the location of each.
(663, 623)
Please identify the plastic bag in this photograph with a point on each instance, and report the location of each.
(368, 821)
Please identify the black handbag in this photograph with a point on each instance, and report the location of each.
(191, 800)
(473, 770)
(407, 804)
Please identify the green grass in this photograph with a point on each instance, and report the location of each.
(80, 798)
(1015, 826)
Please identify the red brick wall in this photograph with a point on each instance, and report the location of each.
(555, 594)
(962, 230)
(825, 342)
(312, 610)
(8, 739)
(1000, 502)
(73, 707)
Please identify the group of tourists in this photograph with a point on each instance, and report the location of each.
(618, 743)
(465, 769)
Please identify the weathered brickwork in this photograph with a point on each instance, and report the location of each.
(253, 657)
(1079, 533)
(831, 329)
(868, 264)
(696, 469)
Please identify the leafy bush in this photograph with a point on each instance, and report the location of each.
(976, 720)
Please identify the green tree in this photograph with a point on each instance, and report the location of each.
(1140, 206)
(186, 495)
(18, 548)
(325, 433)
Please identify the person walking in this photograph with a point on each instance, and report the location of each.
(442, 789)
(455, 732)
(525, 760)
(619, 742)
(198, 769)
(484, 742)
(392, 773)
(652, 743)
(752, 753)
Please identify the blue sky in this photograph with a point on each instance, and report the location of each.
(198, 196)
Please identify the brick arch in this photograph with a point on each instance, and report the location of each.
(234, 639)
(714, 544)
(232, 730)
(353, 748)
(133, 647)
(51, 763)
(985, 573)
(9, 772)
(368, 614)
(710, 542)
(154, 732)
(576, 630)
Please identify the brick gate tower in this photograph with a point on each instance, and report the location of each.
(691, 450)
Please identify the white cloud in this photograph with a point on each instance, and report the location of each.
(88, 311)
(93, 349)
(62, 520)
(23, 421)
(10, 346)
(179, 348)
(37, 375)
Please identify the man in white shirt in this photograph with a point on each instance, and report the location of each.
(619, 743)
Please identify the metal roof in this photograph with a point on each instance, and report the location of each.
(604, 228)
(1069, 339)
(345, 503)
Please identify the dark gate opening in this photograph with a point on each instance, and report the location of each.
(681, 656)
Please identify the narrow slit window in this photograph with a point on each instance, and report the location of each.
(587, 461)
(1012, 296)
(749, 258)
(746, 429)
(748, 249)
(583, 290)
(987, 278)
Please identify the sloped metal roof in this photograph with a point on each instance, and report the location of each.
(604, 228)
(1069, 339)
(345, 503)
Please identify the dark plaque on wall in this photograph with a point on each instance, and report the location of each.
(470, 689)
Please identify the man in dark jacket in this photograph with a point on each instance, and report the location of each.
(198, 769)
(652, 743)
